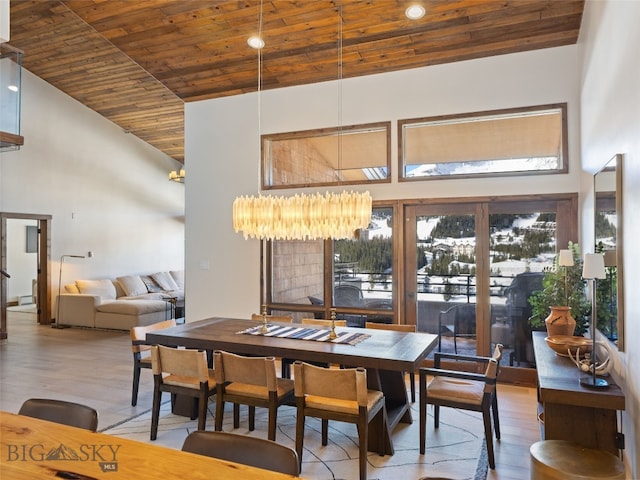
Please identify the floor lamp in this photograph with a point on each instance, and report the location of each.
(89, 254)
(593, 269)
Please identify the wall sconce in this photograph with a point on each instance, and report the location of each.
(177, 175)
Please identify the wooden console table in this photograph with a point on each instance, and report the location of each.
(572, 412)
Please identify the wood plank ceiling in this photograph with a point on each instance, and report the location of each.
(137, 62)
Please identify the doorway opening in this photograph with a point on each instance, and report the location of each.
(40, 240)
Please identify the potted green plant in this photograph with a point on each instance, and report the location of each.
(563, 292)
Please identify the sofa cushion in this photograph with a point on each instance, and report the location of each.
(178, 276)
(103, 288)
(152, 286)
(132, 285)
(146, 296)
(165, 280)
(133, 307)
(71, 288)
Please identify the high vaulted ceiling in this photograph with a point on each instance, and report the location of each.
(137, 61)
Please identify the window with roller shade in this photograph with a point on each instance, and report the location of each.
(524, 141)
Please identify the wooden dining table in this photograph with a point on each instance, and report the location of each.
(35, 449)
(386, 355)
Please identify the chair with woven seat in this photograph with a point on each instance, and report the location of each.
(249, 381)
(284, 364)
(272, 318)
(322, 322)
(462, 390)
(180, 372)
(398, 328)
(142, 352)
(340, 395)
(252, 451)
(460, 320)
(61, 411)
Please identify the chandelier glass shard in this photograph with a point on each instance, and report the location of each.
(302, 216)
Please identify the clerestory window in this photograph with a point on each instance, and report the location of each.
(529, 141)
(349, 155)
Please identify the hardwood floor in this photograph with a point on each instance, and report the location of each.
(94, 367)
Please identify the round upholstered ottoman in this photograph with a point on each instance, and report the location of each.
(563, 460)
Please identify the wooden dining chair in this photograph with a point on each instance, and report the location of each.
(341, 395)
(462, 390)
(61, 411)
(142, 352)
(252, 451)
(180, 372)
(256, 317)
(249, 381)
(322, 322)
(398, 328)
(285, 364)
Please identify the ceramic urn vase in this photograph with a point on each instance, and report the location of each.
(560, 321)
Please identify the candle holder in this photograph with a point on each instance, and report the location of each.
(264, 329)
(332, 333)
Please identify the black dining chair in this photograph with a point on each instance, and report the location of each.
(61, 411)
(252, 451)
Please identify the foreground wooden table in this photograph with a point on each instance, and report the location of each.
(28, 443)
(386, 355)
(572, 412)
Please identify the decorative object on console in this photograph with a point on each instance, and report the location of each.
(562, 305)
(568, 345)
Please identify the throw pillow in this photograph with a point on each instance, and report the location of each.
(104, 288)
(178, 276)
(152, 286)
(71, 288)
(165, 281)
(132, 285)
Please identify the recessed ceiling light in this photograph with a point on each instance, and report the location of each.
(414, 12)
(13, 88)
(255, 42)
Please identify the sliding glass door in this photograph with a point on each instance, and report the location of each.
(470, 268)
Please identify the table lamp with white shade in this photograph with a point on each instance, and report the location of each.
(593, 269)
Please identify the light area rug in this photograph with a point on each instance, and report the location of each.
(29, 308)
(454, 451)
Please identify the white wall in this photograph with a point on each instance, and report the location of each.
(22, 266)
(610, 103)
(107, 191)
(221, 137)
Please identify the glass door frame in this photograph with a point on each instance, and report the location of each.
(479, 211)
(564, 205)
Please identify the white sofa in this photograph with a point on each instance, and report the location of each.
(123, 302)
